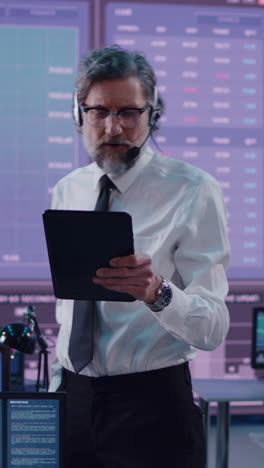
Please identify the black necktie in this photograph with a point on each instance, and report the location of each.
(81, 339)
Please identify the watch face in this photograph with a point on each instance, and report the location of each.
(166, 294)
(163, 297)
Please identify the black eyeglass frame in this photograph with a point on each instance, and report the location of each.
(118, 113)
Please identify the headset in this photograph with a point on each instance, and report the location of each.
(154, 114)
(76, 112)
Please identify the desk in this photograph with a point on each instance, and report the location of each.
(223, 391)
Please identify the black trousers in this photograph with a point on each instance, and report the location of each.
(142, 420)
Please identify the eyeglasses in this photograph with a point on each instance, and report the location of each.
(127, 116)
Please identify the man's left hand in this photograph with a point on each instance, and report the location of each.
(132, 274)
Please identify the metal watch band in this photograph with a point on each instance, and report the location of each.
(163, 297)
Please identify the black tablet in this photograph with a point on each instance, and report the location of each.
(80, 242)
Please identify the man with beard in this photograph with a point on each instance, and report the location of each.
(130, 404)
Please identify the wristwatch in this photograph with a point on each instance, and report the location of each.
(163, 297)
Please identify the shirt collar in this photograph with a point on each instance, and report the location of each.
(124, 181)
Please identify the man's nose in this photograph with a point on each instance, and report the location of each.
(112, 125)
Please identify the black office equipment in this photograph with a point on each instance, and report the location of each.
(17, 365)
(4, 368)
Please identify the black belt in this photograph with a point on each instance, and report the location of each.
(175, 380)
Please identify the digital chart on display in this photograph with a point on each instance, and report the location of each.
(208, 60)
(207, 56)
(40, 47)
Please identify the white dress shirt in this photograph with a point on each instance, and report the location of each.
(179, 220)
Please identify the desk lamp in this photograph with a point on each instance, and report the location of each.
(24, 338)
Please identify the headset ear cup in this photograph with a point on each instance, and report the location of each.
(153, 121)
(76, 112)
(155, 113)
(80, 117)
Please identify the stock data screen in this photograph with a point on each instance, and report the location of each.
(260, 338)
(208, 60)
(1, 435)
(33, 432)
(31, 429)
(40, 47)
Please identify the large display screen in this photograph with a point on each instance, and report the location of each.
(208, 57)
(40, 47)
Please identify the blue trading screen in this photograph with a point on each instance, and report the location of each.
(1, 435)
(33, 429)
(259, 339)
(1, 373)
(208, 59)
(40, 46)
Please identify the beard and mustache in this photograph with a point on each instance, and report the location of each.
(113, 160)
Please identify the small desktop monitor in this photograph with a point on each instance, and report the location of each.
(32, 429)
(257, 351)
(4, 368)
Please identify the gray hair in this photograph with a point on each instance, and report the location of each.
(113, 62)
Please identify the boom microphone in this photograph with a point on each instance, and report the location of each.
(133, 152)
